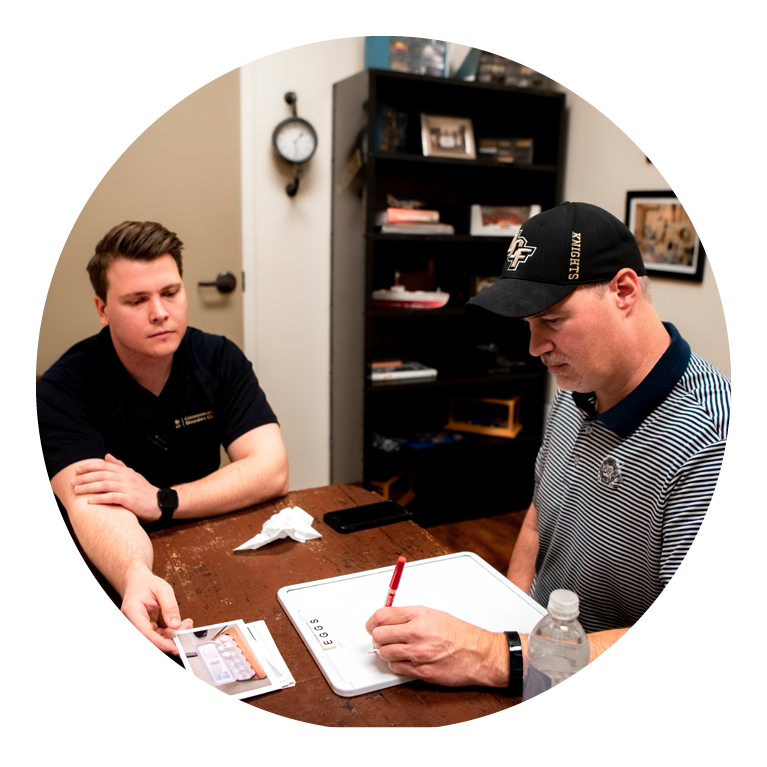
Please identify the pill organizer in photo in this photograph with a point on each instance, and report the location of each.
(236, 658)
(330, 614)
(225, 661)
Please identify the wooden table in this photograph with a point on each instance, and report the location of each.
(214, 584)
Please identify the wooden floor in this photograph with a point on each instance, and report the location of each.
(493, 538)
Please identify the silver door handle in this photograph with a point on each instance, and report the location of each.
(226, 282)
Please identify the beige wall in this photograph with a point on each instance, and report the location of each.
(603, 163)
(185, 171)
(287, 247)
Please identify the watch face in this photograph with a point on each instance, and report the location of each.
(167, 498)
(295, 140)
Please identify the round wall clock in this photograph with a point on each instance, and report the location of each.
(295, 141)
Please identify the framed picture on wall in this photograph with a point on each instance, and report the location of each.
(668, 242)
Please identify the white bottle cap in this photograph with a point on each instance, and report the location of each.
(563, 604)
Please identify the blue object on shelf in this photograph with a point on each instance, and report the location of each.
(418, 55)
(468, 69)
(377, 52)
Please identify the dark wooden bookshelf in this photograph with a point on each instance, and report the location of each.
(479, 475)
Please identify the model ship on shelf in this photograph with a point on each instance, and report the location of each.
(398, 297)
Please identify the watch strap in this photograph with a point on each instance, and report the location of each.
(516, 664)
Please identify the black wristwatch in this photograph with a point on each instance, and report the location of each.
(167, 500)
(516, 668)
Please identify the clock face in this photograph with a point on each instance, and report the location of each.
(295, 140)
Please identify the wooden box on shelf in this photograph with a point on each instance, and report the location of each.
(483, 415)
(398, 488)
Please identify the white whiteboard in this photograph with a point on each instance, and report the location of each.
(463, 585)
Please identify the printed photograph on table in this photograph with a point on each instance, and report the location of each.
(667, 239)
(443, 136)
(238, 659)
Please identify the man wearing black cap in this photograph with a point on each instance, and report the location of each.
(630, 455)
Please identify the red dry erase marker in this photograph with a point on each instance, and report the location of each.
(394, 585)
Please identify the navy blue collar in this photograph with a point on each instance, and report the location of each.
(624, 418)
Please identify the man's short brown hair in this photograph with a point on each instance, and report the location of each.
(135, 241)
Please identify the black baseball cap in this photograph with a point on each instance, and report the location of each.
(574, 244)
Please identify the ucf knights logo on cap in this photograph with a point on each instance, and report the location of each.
(519, 251)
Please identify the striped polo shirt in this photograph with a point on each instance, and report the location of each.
(620, 495)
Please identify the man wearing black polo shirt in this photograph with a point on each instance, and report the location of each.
(630, 457)
(132, 419)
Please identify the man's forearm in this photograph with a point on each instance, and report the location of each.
(110, 536)
(600, 641)
(115, 543)
(522, 564)
(258, 473)
(244, 483)
(498, 661)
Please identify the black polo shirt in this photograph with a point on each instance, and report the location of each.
(88, 405)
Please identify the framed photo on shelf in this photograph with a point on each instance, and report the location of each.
(447, 137)
(668, 242)
(499, 220)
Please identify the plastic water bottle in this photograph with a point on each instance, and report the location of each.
(557, 646)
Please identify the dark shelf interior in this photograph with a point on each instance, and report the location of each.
(371, 423)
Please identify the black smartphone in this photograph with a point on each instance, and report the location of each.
(363, 517)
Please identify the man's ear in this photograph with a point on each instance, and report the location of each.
(101, 308)
(627, 289)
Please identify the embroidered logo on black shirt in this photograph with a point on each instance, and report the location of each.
(190, 420)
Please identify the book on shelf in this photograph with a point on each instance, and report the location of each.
(417, 227)
(400, 220)
(406, 215)
(507, 149)
(400, 370)
(417, 441)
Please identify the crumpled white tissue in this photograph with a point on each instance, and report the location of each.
(293, 522)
